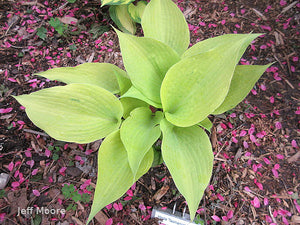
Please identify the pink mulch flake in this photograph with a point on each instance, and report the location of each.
(109, 222)
(278, 125)
(264, 27)
(268, 219)
(142, 207)
(30, 163)
(294, 144)
(127, 198)
(62, 171)
(216, 218)
(220, 197)
(297, 205)
(275, 173)
(267, 161)
(229, 214)
(279, 156)
(47, 153)
(7, 110)
(263, 87)
(266, 201)
(247, 189)
(88, 152)
(109, 206)
(255, 202)
(285, 221)
(10, 166)
(243, 133)
(261, 134)
(282, 2)
(15, 184)
(272, 99)
(34, 172)
(118, 206)
(28, 153)
(129, 193)
(36, 192)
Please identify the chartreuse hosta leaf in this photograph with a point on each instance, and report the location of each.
(244, 78)
(136, 11)
(130, 104)
(188, 155)
(163, 21)
(195, 86)
(206, 123)
(138, 133)
(114, 174)
(135, 93)
(115, 2)
(146, 61)
(100, 74)
(211, 43)
(119, 14)
(79, 113)
(124, 83)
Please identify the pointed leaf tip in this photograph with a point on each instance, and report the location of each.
(188, 155)
(162, 20)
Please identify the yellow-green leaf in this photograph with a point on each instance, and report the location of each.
(138, 133)
(119, 14)
(135, 93)
(188, 155)
(163, 21)
(79, 113)
(114, 174)
(136, 11)
(146, 61)
(243, 80)
(100, 74)
(130, 104)
(195, 86)
(115, 2)
(206, 123)
(212, 43)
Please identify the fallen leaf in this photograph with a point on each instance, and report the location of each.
(101, 218)
(160, 193)
(68, 20)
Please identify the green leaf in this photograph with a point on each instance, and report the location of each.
(242, 82)
(146, 61)
(136, 11)
(119, 14)
(123, 82)
(115, 2)
(138, 133)
(37, 219)
(135, 93)
(163, 21)
(114, 174)
(195, 86)
(41, 32)
(212, 43)
(206, 123)
(130, 104)
(58, 26)
(79, 113)
(104, 75)
(188, 155)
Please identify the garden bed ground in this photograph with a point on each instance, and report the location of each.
(256, 145)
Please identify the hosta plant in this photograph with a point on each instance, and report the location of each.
(166, 94)
(125, 13)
